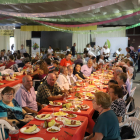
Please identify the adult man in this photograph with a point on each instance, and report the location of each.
(49, 90)
(22, 50)
(71, 78)
(26, 96)
(106, 52)
(66, 61)
(87, 69)
(117, 71)
(73, 49)
(2, 57)
(128, 57)
(133, 55)
(79, 60)
(63, 79)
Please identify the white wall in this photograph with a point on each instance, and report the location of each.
(20, 38)
(5, 42)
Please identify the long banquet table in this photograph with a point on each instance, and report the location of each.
(88, 113)
(77, 132)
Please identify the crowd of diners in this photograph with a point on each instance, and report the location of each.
(57, 75)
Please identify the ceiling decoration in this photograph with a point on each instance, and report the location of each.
(65, 12)
(25, 1)
(99, 15)
(85, 19)
(91, 24)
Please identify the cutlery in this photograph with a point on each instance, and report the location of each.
(68, 133)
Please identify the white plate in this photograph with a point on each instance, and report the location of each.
(69, 96)
(85, 108)
(70, 109)
(53, 127)
(72, 117)
(58, 119)
(55, 105)
(44, 118)
(35, 138)
(88, 99)
(24, 128)
(72, 125)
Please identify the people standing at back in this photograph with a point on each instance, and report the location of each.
(22, 50)
(50, 50)
(73, 49)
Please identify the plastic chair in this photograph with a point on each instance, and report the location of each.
(4, 124)
(136, 111)
(124, 97)
(132, 92)
(128, 105)
(135, 125)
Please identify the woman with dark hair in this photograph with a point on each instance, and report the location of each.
(42, 70)
(118, 104)
(95, 65)
(9, 103)
(77, 72)
(11, 62)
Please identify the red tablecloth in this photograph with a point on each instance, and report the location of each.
(88, 113)
(78, 133)
(12, 83)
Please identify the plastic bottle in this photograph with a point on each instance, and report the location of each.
(14, 134)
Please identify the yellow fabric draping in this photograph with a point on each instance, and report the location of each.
(45, 28)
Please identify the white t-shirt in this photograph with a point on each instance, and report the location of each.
(117, 52)
(50, 51)
(106, 51)
(101, 61)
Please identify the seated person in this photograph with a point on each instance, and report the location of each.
(101, 60)
(8, 102)
(78, 74)
(56, 72)
(63, 79)
(71, 78)
(26, 57)
(66, 61)
(26, 96)
(121, 79)
(56, 64)
(2, 57)
(49, 65)
(87, 69)
(49, 56)
(42, 71)
(112, 82)
(79, 60)
(55, 57)
(95, 65)
(18, 59)
(118, 104)
(11, 62)
(107, 125)
(130, 69)
(49, 90)
(27, 65)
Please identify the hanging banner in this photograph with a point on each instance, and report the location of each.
(35, 46)
(7, 27)
(65, 12)
(7, 32)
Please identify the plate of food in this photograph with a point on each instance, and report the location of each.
(71, 116)
(55, 103)
(35, 138)
(2, 84)
(60, 113)
(72, 123)
(60, 118)
(53, 129)
(69, 96)
(69, 100)
(30, 129)
(43, 117)
(89, 98)
(83, 107)
(67, 109)
(76, 110)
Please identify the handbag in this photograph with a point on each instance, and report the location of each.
(11, 115)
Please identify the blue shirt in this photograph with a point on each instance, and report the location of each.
(107, 124)
(16, 109)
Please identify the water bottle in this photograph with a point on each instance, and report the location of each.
(14, 134)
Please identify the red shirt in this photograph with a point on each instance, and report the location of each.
(9, 65)
(65, 62)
